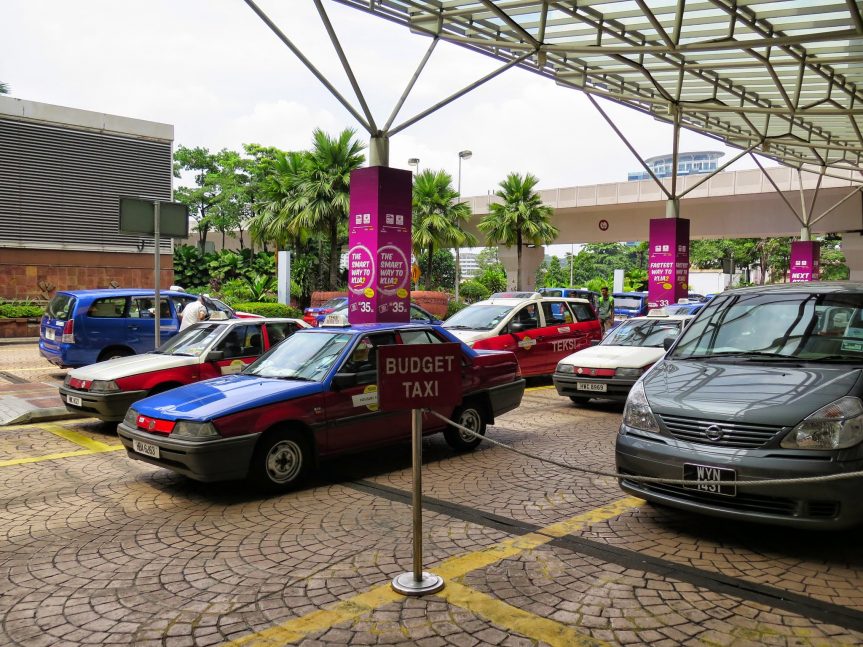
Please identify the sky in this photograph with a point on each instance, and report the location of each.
(216, 72)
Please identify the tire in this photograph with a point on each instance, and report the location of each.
(161, 388)
(281, 461)
(113, 353)
(579, 400)
(469, 415)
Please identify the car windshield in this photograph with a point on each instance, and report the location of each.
(303, 356)
(630, 303)
(642, 332)
(335, 302)
(778, 326)
(478, 317)
(194, 340)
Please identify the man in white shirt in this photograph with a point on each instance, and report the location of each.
(194, 312)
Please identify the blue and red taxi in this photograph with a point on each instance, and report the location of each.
(208, 349)
(312, 397)
(539, 330)
(312, 314)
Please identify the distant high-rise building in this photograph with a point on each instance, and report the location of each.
(687, 164)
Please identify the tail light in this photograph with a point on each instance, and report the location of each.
(68, 332)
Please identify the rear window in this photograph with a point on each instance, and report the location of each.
(630, 303)
(583, 312)
(61, 306)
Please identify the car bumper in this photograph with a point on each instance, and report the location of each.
(224, 459)
(505, 397)
(615, 388)
(830, 505)
(110, 407)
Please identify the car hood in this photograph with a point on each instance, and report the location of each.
(615, 357)
(114, 369)
(745, 392)
(222, 396)
(468, 336)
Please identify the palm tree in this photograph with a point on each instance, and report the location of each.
(521, 219)
(438, 215)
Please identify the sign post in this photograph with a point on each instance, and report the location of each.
(414, 377)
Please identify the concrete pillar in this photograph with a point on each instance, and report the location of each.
(379, 151)
(852, 247)
(531, 258)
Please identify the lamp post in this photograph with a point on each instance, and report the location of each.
(462, 155)
(415, 162)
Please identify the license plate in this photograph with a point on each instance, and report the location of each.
(75, 402)
(693, 472)
(146, 449)
(591, 386)
(49, 334)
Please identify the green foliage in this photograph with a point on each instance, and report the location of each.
(14, 310)
(454, 306)
(493, 277)
(473, 291)
(833, 266)
(235, 291)
(190, 269)
(551, 274)
(635, 280)
(442, 270)
(261, 287)
(269, 309)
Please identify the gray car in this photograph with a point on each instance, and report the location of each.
(765, 383)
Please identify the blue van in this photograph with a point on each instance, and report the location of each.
(572, 293)
(82, 327)
(629, 304)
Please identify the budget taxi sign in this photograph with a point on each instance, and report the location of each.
(415, 376)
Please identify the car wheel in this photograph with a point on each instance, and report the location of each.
(281, 461)
(579, 399)
(468, 415)
(112, 353)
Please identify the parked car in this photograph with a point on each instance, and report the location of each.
(684, 308)
(609, 369)
(539, 330)
(204, 350)
(85, 326)
(417, 314)
(629, 304)
(310, 315)
(309, 398)
(572, 293)
(221, 306)
(763, 383)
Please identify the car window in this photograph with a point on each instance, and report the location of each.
(61, 306)
(525, 318)
(478, 317)
(630, 303)
(280, 330)
(112, 307)
(419, 315)
(583, 312)
(303, 356)
(142, 307)
(419, 337)
(242, 341)
(194, 340)
(556, 313)
(642, 332)
(364, 356)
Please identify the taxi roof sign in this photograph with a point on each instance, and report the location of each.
(657, 312)
(336, 320)
(516, 295)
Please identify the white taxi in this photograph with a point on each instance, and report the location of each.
(609, 369)
(539, 330)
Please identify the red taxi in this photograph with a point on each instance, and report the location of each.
(208, 349)
(539, 330)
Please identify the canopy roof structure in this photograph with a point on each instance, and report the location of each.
(780, 77)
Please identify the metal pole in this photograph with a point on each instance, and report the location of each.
(157, 311)
(457, 250)
(417, 582)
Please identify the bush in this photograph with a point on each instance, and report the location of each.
(269, 309)
(453, 307)
(474, 291)
(13, 311)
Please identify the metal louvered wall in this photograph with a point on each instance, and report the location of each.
(60, 187)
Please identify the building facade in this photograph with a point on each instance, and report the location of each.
(687, 164)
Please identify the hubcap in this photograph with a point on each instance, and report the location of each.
(470, 419)
(284, 461)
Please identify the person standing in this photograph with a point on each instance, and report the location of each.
(605, 309)
(194, 312)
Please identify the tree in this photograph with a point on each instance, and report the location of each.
(437, 217)
(520, 219)
(551, 274)
(200, 198)
(442, 267)
(833, 266)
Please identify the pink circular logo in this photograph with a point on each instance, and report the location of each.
(361, 269)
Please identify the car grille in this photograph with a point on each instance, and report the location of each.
(745, 502)
(732, 434)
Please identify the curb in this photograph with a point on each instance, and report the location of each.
(18, 340)
(43, 415)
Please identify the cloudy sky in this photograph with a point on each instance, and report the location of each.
(216, 72)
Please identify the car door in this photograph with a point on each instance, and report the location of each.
(141, 329)
(105, 324)
(560, 335)
(241, 346)
(354, 420)
(522, 329)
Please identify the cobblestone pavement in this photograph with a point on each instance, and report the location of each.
(98, 549)
(22, 362)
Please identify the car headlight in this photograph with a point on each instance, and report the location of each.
(131, 419)
(637, 413)
(835, 426)
(564, 368)
(104, 386)
(186, 429)
(628, 372)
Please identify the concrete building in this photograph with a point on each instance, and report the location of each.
(692, 163)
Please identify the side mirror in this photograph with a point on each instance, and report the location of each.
(344, 380)
(215, 356)
(367, 377)
(518, 326)
(668, 342)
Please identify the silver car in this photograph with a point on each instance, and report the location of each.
(765, 383)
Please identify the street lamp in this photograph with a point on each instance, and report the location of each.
(415, 162)
(462, 155)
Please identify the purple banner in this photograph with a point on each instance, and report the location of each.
(380, 245)
(668, 267)
(805, 261)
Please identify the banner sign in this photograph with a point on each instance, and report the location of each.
(668, 265)
(379, 270)
(414, 376)
(805, 261)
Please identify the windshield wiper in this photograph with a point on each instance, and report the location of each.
(462, 328)
(185, 354)
(752, 353)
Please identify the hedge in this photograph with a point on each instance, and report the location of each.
(9, 311)
(269, 309)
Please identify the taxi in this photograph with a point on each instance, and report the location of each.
(312, 397)
(208, 349)
(609, 369)
(539, 330)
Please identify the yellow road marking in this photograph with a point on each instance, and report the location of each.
(40, 425)
(79, 439)
(452, 568)
(512, 618)
(44, 370)
(54, 457)
(540, 388)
